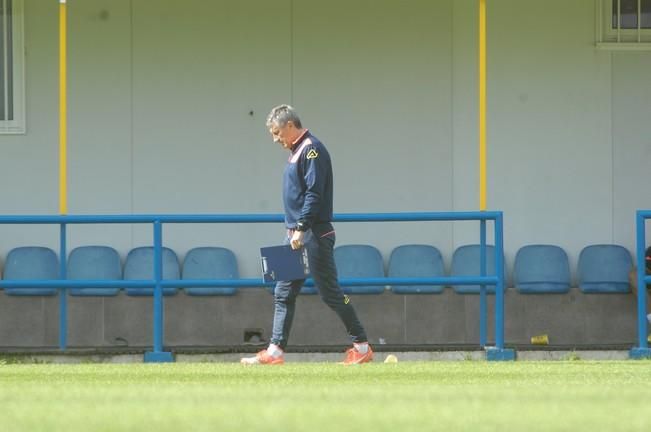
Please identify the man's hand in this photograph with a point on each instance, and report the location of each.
(297, 239)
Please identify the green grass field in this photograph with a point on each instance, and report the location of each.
(477, 396)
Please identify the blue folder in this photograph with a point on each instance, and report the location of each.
(284, 263)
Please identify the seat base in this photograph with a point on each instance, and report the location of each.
(500, 354)
(159, 357)
(640, 353)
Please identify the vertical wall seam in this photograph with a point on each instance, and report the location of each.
(132, 113)
(103, 321)
(291, 52)
(45, 323)
(452, 118)
(405, 334)
(612, 148)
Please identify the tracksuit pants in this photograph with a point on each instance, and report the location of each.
(319, 242)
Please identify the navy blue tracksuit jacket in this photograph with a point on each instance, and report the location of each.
(307, 183)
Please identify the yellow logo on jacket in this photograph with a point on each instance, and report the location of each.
(312, 154)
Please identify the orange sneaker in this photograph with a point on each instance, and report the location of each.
(355, 357)
(262, 358)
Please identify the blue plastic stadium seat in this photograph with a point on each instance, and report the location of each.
(410, 261)
(604, 269)
(359, 261)
(31, 262)
(465, 262)
(541, 269)
(94, 263)
(140, 266)
(210, 263)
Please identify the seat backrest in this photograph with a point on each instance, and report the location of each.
(410, 261)
(359, 261)
(604, 269)
(465, 262)
(31, 262)
(139, 265)
(210, 263)
(94, 263)
(541, 269)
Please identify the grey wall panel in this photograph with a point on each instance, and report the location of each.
(22, 321)
(632, 142)
(221, 320)
(465, 156)
(100, 118)
(28, 167)
(573, 319)
(86, 321)
(433, 317)
(198, 74)
(548, 109)
(380, 99)
(129, 320)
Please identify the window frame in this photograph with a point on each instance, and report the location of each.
(18, 124)
(621, 35)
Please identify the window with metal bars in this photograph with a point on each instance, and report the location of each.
(624, 24)
(631, 14)
(11, 67)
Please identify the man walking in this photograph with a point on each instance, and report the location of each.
(307, 197)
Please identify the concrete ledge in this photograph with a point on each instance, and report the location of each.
(329, 357)
(573, 320)
(571, 355)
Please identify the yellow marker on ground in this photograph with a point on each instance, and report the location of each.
(391, 359)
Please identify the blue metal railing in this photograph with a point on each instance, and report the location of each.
(157, 282)
(642, 350)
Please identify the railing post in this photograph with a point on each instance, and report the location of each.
(642, 350)
(499, 289)
(158, 295)
(483, 307)
(63, 292)
(499, 353)
(158, 355)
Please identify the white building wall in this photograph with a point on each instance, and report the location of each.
(167, 108)
(198, 75)
(549, 119)
(100, 113)
(380, 99)
(631, 157)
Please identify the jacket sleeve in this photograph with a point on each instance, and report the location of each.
(315, 171)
